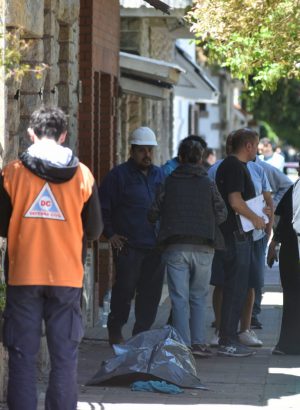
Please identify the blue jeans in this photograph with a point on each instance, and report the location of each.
(188, 274)
(26, 307)
(259, 248)
(236, 263)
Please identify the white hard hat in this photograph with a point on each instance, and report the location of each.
(143, 136)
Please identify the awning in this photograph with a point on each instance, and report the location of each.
(194, 84)
(147, 77)
(154, 8)
(159, 5)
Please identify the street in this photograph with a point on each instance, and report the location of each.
(261, 380)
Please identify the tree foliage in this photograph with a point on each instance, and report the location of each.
(13, 48)
(257, 40)
(281, 110)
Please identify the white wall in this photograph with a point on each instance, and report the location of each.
(188, 46)
(181, 118)
(212, 136)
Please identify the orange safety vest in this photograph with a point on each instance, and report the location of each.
(45, 230)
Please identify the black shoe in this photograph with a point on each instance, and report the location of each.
(201, 350)
(213, 324)
(115, 338)
(255, 323)
(278, 352)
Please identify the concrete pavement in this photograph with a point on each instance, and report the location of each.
(246, 383)
(249, 383)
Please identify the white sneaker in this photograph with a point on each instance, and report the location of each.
(249, 338)
(215, 340)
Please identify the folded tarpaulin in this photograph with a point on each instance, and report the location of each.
(156, 386)
(155, 354)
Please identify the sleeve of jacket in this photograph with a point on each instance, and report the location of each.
(6, 209)
(280, 184)
(91, 216)
(155, 209)
(109, 193)
(218, 204)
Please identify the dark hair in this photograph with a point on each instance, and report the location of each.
(197, 139)
(242, 137)
(48, 122)
(208, 152)
(265, 141)
(190, 151)
(228, 147)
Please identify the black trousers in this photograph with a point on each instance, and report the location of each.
(289, 339)
(26, 308)
(139, 274)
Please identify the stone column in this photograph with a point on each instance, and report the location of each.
(2, 84)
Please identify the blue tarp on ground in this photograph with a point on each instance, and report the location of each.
(158, 354)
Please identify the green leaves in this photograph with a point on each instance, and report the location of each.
(280, 109)
(13, 47)
(257, 40)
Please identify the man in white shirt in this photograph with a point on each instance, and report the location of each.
(269, 156)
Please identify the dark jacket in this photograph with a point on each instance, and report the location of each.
(126, 195)
(190, 208)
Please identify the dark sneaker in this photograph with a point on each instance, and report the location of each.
(278, 352)
(213, 324)
(235, 350)
(201, 351)
(255, 323)
(115, 338)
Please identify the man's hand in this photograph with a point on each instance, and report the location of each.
(268, 211)
(258, 222)
(272, 254)
(117, 241)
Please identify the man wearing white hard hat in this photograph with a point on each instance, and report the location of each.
(126, 194)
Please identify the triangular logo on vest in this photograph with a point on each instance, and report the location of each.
(45, 206)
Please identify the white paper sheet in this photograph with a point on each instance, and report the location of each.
(256, 205)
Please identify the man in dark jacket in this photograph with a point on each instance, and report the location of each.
(126, 194)
(49, 205)
(190, 209)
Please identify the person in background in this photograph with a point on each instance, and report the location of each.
(280, 183)
(260, 238)
(173, 163)
(236, 187)
(126, 193)
(49, 209)
(287, 234)
(268, 155)
(209, 158)
(189, 208)
(169, 167)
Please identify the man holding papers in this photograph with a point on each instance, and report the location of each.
(236, 187)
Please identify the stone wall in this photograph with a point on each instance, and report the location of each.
(3, 373)
(148, 37)
(2, 85)
(51, 29)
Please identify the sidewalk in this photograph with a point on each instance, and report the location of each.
(245, 383)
